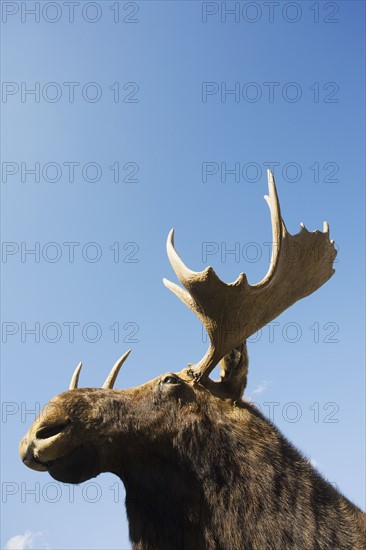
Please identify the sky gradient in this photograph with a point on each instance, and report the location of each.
(121, 120)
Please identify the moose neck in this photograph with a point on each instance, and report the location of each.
(163, 505)
(255, 488)
(192, 497)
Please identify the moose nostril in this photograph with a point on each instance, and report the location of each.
(49, 431)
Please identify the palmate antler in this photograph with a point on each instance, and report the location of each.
(300, 264)
(230, 313)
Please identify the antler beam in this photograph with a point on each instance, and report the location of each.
(230, 313)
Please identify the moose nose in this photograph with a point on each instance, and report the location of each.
(23, 447)
(27, 456)
(49, 431)
(42, 444)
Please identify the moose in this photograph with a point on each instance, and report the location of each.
(203, 469)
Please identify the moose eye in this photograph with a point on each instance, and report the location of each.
(171, 380)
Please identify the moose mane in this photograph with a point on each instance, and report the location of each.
(230, 468)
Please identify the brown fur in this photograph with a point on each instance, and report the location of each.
(201, 472)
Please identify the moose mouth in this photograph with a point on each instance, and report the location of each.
(77, 466)
(50, 451)
(80, 464)
(36, 460)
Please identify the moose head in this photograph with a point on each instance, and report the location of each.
(202, 468)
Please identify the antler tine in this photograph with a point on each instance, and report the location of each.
(181, 270)
(75, 377)
(111, 378)
(186, 276)
(278, 226)
(233, 312)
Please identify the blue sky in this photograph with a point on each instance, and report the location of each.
(172, 96)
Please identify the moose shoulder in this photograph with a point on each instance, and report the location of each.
(202, 468)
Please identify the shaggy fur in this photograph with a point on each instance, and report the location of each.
(200, 472)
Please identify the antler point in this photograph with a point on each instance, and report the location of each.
(111, 378)
(75, 377)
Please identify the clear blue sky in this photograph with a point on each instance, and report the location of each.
(146, 88)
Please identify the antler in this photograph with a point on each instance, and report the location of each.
(75, 377)
(300, 264)
(111, 378)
